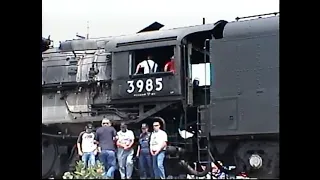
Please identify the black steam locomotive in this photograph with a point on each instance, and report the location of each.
(231, 114)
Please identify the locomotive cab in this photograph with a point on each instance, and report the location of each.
(139, 87)
(184, 44)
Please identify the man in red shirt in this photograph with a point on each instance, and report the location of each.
(169, 67)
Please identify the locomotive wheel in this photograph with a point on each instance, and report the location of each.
(259, 159)
(49, 155)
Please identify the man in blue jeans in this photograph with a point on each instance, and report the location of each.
(143, 153)
(87, 147)
(105, 137)
(158, 144)
(125, 151)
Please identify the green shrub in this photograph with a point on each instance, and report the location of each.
(85, 173)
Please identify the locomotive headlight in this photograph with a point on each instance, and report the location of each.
(255, 161)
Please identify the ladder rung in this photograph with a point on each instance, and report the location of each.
(173, 157)
(203, 149)
(182, 143)
(204, 162)
(202, 136)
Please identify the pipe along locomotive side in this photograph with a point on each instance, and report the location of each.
(232, 116)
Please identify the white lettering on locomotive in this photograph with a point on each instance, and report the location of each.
(148, 85)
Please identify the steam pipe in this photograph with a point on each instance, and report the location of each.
(76, 112)
(208, 169)
(95, 112)
(190, 170)
(184, 164)
(58, 136)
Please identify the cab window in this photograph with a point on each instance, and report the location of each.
(146, 62)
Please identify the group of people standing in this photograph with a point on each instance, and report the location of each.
(112, 146)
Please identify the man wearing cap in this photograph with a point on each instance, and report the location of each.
(143, 153)
(87, 147)
(158, 144)
(169, 66)
(125, 151)
(105, 136)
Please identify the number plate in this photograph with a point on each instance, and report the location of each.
(144, 87)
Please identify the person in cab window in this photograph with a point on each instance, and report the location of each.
(87, 147)
(125, 151)
(169, 67)
(158, 144)
(105, 137)
(143, 153)
(148, 66)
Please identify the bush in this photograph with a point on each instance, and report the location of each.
(85, 173)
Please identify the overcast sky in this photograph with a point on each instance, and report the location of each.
(62, 19)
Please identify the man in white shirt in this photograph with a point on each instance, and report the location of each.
(87, 147)
(149, 66)
(125, 151)
(158, 144)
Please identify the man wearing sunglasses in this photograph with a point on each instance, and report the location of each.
(158, 144)
(125, 151)
(105, 137)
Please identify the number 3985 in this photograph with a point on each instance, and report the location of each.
(148, 85)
